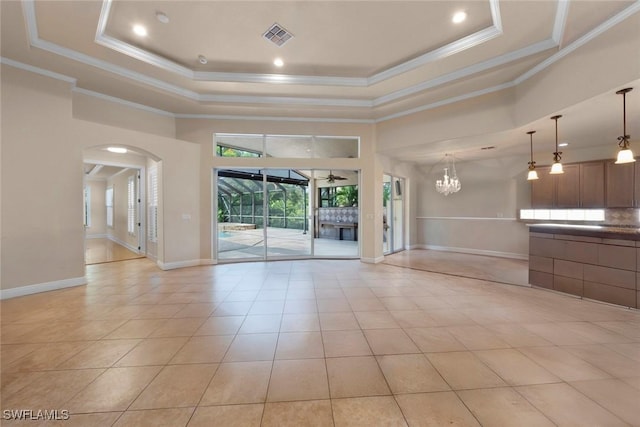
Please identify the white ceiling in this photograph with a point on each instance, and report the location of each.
(348, 60)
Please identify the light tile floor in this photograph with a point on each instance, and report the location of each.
(316, 343)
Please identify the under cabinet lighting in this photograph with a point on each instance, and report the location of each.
(563, 214)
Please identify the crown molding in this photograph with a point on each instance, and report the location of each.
(37, 70)
(447, 101)
(467, 71)
(560, 23)
(251, 99)
(606, 25)
(452, 48)
(30, 18)
(123, 102)
(457, 46)
(273, 118)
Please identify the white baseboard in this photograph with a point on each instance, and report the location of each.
(208, 261)
(178, 264)
(123, 243)
(42, 287)
(511, 255)
(410, 247)
(372, 260)
(96, 236)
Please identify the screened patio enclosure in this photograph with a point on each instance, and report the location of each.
(271, 214)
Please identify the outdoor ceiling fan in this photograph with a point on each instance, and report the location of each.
(331, 178)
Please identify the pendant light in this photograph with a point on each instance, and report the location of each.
(533, 174)
(556, 168)
(625, 155)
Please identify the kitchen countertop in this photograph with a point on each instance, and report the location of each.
(602, 231)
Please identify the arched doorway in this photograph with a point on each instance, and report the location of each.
(121, 203)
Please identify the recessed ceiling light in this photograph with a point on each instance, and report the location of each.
(459, 17)
(119, 150)
(563, 144)
(140, 30)
(202, 59)
(278, 62)
(162, 17)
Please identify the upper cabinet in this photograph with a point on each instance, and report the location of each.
(620, 185)
(568, 187)
(592, 184)
(543, 189)
(584, 185)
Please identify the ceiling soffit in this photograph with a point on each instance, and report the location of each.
(452, 48)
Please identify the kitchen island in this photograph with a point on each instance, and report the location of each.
(595, 262)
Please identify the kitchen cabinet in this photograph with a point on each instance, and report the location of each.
(568, 187)
(619, 185)
(543, 191)
(592, 184)
(636, 197)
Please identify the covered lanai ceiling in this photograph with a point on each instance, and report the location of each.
(362, 61)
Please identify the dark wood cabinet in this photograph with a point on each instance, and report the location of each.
(568, 187)
(592, 184)
(619, 185)
(636, 197)
(543, 191)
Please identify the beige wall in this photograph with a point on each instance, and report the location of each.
(44, 226)
(98, 212)
(41, 182)
(611, 61)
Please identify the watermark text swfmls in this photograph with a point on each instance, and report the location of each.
(36, 414)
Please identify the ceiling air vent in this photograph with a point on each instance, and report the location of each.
(277, 35)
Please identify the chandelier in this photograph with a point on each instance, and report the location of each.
(448, 184)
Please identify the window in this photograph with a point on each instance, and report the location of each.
(343, 196)
(153, 204)
(286, 146)
(87, 206)
(131, 205)
(109, 203)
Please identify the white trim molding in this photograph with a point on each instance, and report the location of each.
(471, 251)
(376, 260)
(125, 244)
(42, 287)
(370, 104)
(457, 46)
(179, 264)
(467, 218)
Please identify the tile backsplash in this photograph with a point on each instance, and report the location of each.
(621, 216)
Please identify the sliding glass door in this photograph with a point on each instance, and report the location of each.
(240, 214)
(286, 214)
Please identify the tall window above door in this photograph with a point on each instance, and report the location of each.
(286, 146)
